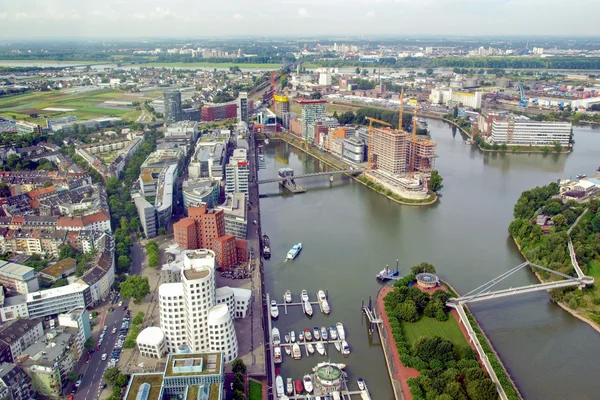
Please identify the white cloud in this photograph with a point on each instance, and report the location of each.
(238, 16)
(302, 13)
(3, 15)
(370, 14)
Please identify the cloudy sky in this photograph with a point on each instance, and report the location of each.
(201, 18)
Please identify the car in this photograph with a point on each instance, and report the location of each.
(124, 307)
(74, 390)
(114, 330)
(71, 397)
(111, 309)
(78, 383)
(104, 357)
(120, 303)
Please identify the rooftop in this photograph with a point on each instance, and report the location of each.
(211, 363)
(56, 292)
(60, 267)
(13, 270)
(154, 380)
(192, 274)
(152, 335)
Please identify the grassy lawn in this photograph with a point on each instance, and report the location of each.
(594, 267)
(209, 65)
(432, 327)
(49, 62)
(254, 390)
(85, 105)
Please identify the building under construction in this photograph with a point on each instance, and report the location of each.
(395, 152)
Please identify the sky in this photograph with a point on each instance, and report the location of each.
(222, 18)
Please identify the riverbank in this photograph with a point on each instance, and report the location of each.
(403, 373)
(565, 307)
(338, 164)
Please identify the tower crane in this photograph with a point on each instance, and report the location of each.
(401, 110)
(370, 153)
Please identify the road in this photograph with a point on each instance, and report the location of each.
(94, 371)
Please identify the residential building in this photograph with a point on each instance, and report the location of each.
(236, 218)
(109, 158)
(237, 173)
(183, 374)
(312, 110)
(96, 123)
(17, 335)
(17, 279)
(79, 320)
(230, 251)
(242, 105)
(173, 111)
(151, 342)
(14, 383)
(531, 133)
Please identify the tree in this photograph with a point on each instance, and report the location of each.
(435, 182)
(595, 224)
(136, 287)
(89, 343)
(66, 251)
(124, 224)
(432, 308)
(455, 112)
(162, 231)
(48, 183)
(59, 283)
(357, 70)
(559, 220)
(552, 208)
(138, 319)
(482, 389)
(123, 263)
(238, 382)
(81, 268)
(4, 189)
(134, 224)
(238, 366)
(407, 311)
(423, 267)
(73, 376)
(114, 378)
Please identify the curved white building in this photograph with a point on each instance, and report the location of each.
(222, 333)
(225, 295)
(151, 342)
(172, 317)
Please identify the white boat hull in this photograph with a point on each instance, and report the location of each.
(320, 349)
(310, 348)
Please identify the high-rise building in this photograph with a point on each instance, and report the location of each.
(243, 107)
(173, 111)
(390, 150)
(189, 313)
(237, 173)
(312, 110)
(282, 107)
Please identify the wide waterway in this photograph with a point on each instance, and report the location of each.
(349, 233)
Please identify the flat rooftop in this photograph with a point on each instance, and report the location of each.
(154, 380)
(13, 270)
(211, 363)
(192, 274)
(60, 267)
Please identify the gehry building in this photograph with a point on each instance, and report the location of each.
(192, 311)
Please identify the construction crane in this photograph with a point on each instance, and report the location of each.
(414, 141)
(370, 153)
(523, 102)
(401, 110)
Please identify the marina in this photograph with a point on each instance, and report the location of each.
(322, 302)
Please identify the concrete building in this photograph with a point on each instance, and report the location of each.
(153, 166)
(151, 342)
(208, 160)
(312, 110)
(189, 313)
(282, 107)
(173, 111)
(243, 107)
(324, 79)
(14, 383)
(450, 97)
(79, 320)
(147, 215)
(17, 335)
(531, 133)
(58, 300)
(236, 219)
(236, 299)
(390, 150)
(200, 190)
(214, 112)
(183, 129)
(17, 279)
(353, 149)
(237, 173)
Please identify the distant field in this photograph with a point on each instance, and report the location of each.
(208, 65)
(85, 104)
(431, 327)
(11, 62)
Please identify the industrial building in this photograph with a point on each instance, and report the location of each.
(450, 97)
(524, 132)
(173, 112)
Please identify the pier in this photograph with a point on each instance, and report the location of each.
(292, 186)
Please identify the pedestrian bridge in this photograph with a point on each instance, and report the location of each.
(352, 171)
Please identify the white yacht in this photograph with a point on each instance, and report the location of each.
(275, 337)
(288, 350)
(294, 251)
(288, 296)
(308, 308)
(274, 309)
(310, 348)
(345, 348)
(361, 383)
(279, 385)
(308, 385)
(296, 353)
(277, 354)
(289, 387)
(320, 348)
(321, 295)
(325, 307)
(304, 295)
(338, 346)
(333, 332)
(340, 331)
(293, 336)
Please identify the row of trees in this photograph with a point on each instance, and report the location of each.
(446, 372)
(389, 116)
(152, 254)
(134, 331)
(116, 380)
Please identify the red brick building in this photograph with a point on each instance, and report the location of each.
(213, 112)
(204, 228)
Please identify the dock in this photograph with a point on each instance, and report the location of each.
(312, 303)
(292, 186)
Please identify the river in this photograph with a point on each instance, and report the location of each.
(349, 233)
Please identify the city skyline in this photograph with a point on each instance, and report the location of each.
(153, 18)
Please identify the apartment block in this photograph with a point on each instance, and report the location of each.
(237, 173)
(312, 110)
(17, 279)
(17, 335)
(14, 383)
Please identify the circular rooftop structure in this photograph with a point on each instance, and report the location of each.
(328, 374)
(152, 335)
(428, 280)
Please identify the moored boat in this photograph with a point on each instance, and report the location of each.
(317, 333)
(299, 386)
(300, 336)
(324, 334)
(338, 346)
(581, 176)
(307, 335)
(293, 336)
(279, 386)
(345, 348)
(275, 338)
(340, 330)
(320, 348)
(274, 309)
(288, 350)
(289, 387)
(277, 354)
(266, 246)
(321, 295)
(308, 385)
(333, 332)
(294, 251)
(361, 383)
(288, 296)
(287, 338)
(310, 348)
(296, 353)
(304, 295)
(308, 310)
(325, 307)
